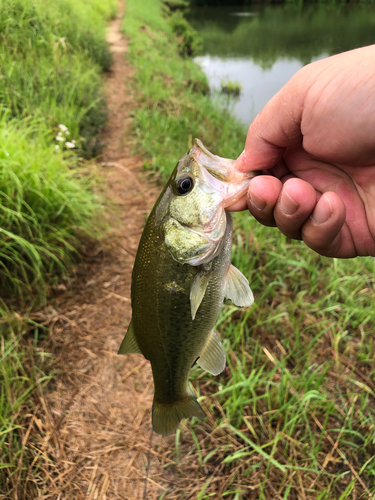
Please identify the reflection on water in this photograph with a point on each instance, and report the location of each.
(258, 84)
(262, 48)
(243, 14)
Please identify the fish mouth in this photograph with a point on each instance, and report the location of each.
(221, 175)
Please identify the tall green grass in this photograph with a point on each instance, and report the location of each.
(52, 109)
(46, 206)
(52, 54)
(52, 57)
(294, 412)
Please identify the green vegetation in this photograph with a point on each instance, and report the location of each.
(293, 416)
(51, 110)
(172, 94)
(189, 42)
(52, 54)
(174, 5)
(23, 370)
(302, 32)
(44, 209)
(51, 100)
(231, 88)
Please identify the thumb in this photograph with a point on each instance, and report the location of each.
(277, 127)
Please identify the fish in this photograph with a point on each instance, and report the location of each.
(181, 275)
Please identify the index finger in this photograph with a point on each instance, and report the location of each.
(275, 128)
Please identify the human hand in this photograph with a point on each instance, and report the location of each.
(316, 141)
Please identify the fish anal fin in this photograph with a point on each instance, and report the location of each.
(197, 290)
(166, 417)
(212, 358)
(237, 288)
(129, 345)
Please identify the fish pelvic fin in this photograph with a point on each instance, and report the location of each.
(166, 417)
(129, 345)
(197, 291)
(237, 288)
(212, 358)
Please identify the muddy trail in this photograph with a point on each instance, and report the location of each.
(98, 407)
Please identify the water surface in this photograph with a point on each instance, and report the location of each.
(262, 48)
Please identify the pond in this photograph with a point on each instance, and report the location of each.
(262, 47)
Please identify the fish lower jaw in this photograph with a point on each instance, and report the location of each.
(236, 196)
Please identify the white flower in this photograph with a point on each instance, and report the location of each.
(67, 132)
(73, 141)
(57, 147)
(69, 145)
(63, 127)
(59, 138)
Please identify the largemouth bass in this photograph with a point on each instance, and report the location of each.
(182, 273)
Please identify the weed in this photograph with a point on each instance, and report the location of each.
(189, 42)
(231, 88)
(44, 208)
(52, 55)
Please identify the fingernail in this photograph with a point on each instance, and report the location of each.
(287, 205)
(322, 211)
(256, 200)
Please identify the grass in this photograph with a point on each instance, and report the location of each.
(172, 94)
(293, 415)
(45, 209)
(52, 109)
(51, 99)
(22, 379)
(52, 55)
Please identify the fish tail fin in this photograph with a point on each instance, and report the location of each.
(166, 417)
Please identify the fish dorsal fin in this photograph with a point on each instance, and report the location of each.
(237, 288)
(129, 345)
(197, 290)
(212, 358)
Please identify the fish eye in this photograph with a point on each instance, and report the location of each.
(184, 185)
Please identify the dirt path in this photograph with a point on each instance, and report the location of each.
(98, 413)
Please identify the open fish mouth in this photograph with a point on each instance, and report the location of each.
(203, 186)
(220, 174)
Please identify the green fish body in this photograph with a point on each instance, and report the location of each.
(181, 275)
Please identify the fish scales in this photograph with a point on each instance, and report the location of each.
(181, 275)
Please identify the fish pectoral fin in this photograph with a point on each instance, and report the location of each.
(166, 417)
(197, 290)
(212, 358)
(237, 288)
(129, 345)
